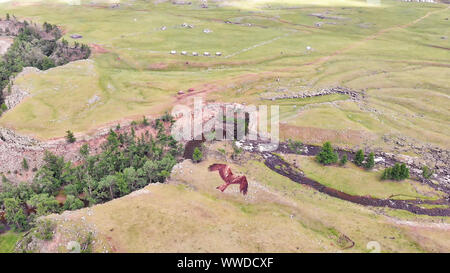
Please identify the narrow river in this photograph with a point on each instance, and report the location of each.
(278, 165)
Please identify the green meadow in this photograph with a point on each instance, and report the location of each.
(8, 241)
(396, 53)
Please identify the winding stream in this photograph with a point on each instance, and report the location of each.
(278, 165)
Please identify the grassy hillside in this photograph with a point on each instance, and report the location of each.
(189, 215)
(395, 56)
(396, 52)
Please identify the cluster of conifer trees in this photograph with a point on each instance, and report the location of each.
(126, 163)
(328, 156)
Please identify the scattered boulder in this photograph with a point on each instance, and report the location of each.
(76, 36)
(326, 16)
(17, 93)
(93, 100)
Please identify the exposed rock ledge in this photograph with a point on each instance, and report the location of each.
(354, 95)
(17, 94)
(14, 147)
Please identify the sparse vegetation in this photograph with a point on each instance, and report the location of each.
(197, 156)
(343, 160)
(295, 145)
(44, 230)
(222, 151)
(70, 137)
(167, 117)
(86, 245)
(145, 121)
(25, 164)
(426, 172)
(237, 151)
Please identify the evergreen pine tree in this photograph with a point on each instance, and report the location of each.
(343, 160)
(25, 164)
(327, 155)
(197, 155)
(370, 163)
(359, 158)
(70, 137)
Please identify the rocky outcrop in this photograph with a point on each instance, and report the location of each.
(441, 172)
(434, 157)
(15, 147)
(354, 95)
(17, 93)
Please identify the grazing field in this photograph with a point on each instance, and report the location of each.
(396, 53)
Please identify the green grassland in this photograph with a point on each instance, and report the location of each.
(8, 241)
(400, 61)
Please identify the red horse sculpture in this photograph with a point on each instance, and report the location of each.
(229, 177)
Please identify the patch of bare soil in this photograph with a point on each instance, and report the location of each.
(98, 49)
(213, 87)
(158, 66)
